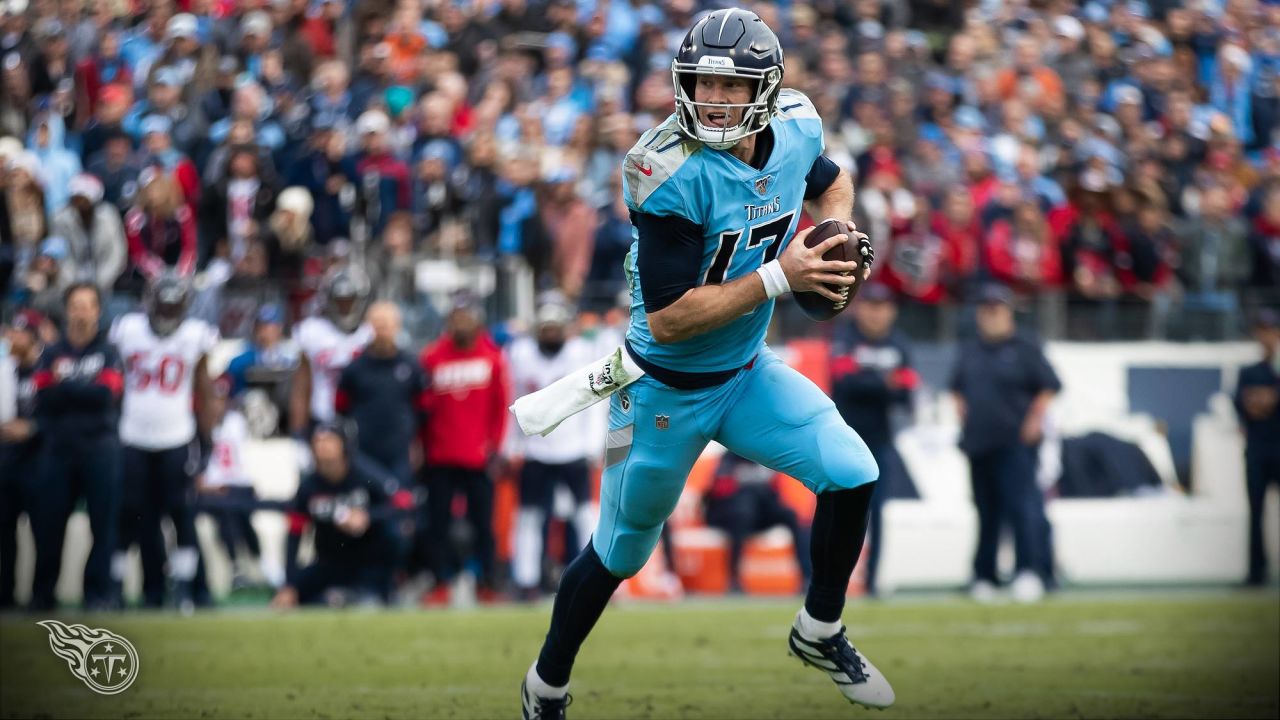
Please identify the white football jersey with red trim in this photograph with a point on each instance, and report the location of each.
(226, 463)
(159, 380)
(328, 350)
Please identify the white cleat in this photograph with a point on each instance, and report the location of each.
(1027, 587)
(536, 707)
(983, 591)
(857, 679)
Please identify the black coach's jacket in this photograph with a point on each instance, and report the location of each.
(320, 503)
(78, 391)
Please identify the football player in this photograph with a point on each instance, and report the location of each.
(326, 345)
(165, 357)
(549, 463)
(225, 478)
(715, 194)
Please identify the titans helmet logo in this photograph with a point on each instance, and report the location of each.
(101, 659)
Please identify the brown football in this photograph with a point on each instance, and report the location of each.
(813, 304)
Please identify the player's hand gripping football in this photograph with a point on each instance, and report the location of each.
(807, 271)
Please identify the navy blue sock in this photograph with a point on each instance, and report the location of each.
(839, 528)
(585, 589)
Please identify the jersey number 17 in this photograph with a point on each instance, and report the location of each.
(770, 231)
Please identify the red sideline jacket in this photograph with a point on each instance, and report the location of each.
(466, 402)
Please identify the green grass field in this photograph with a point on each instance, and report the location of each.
(1078, 655)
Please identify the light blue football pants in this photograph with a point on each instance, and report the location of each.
(768, 413)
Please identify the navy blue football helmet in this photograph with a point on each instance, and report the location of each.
(346, 293)
(728, 42)
(166, 301)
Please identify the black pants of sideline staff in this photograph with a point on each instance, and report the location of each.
(443, 483)
(20, 477)
(1262, 470)
(1006, 494)
(81, 467)
(538, 483)
(367, 577)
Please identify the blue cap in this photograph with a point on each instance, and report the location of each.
(970, 118)
(54, 246)
(434, 33)
(560, 174)
(167, 76)
(1095, 13)
(935, 80)
(651, 15)
(930, 133)
(271, 313)
(49, 29)
(156, 124)
(436, 150)
(601, 52)
(562, 41)
(995, 294)
(324, 120)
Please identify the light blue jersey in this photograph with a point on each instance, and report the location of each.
(747, 217)
(766, 411)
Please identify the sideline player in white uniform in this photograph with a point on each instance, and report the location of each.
(326, 345)
(226, 483)
(165, 356)
(557, 460)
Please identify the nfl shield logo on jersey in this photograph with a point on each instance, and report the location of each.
(662, 422)
(762, 184)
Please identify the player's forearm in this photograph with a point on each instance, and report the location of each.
(834, 202)
(298, 412)
(706, 308)
(300, 399)
(204, 395)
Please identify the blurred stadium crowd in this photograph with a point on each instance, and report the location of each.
(1102, 154)
(1117, 164)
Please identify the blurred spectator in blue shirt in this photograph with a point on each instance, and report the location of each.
(320, 171)
(1229, 89)
(57, 164)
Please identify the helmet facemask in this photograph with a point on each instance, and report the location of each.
(345, 301)
(166, 306)
(755, 114)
